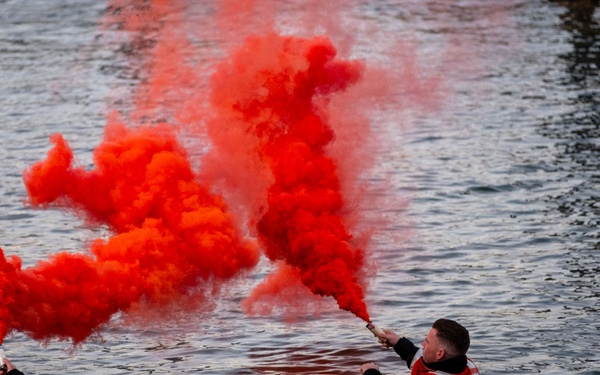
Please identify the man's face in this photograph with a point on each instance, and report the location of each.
(432, 351)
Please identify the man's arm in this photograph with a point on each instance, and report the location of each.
(10, 368)
(402, 346)
(406, 350)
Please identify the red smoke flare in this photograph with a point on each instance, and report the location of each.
(171, 237)
(273, 95)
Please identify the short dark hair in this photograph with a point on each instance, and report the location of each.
(453, 334)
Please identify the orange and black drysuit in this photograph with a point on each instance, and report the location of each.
(413, 356)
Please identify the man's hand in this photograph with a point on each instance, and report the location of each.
(9, 366)
(367, 366)
(389, 338)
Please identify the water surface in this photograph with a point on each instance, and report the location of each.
(499, 229)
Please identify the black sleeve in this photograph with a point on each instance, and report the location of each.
(372, 371)
(406, 350)
(14, 372)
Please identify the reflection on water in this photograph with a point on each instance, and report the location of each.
(580, 20)
(577, 133)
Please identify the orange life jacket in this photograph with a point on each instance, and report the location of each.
(419, 368)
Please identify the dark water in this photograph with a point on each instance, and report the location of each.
(500, 182)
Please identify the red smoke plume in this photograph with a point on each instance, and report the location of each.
(171, 236)
(273, 95)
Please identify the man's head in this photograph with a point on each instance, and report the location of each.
(446, 339)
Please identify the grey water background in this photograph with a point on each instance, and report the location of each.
(500, 230)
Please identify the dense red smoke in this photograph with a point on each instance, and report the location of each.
(171, 236)
(273, 94)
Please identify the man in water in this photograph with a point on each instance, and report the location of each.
(444, 351)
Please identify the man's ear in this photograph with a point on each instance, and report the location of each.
(440, 354)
